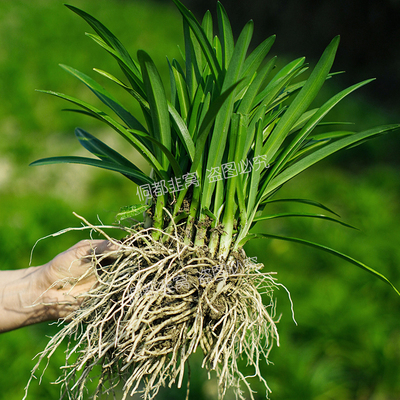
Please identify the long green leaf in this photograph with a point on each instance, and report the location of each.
(318, 216)
(284, 75)
(255, 172)
(134, 79)
(182, 131)
(111, 41)
(307, 147)
(181, 89)
(172, 81)
(222, 121)
(208, 120)
(158, 103)
(140, 99)
(302, 101)
(101, 150)
(174, 164)
(320, 154)
(193, 60)
(202, 39)
(247, 100)
(330, 135)
(303, 120)
(137, 177)
(135, 142)
(207, 25)
(242, 123)
(303, 201)
(204, 130)
(328, 250)
(311, 124)
(83, 112)
(106, 98)
(226, 35)
(203, 92)
(269, 95)
(253, 62)
(257, 56)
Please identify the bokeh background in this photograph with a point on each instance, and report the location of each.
(347, 342)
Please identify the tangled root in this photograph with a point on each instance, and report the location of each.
(155, 304)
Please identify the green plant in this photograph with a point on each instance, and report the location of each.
(220, 148)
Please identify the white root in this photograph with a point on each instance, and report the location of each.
(154, 305)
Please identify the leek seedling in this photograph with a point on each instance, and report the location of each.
(230, 136)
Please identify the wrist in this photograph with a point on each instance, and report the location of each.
(45, 298)
(38, 301)
(19, 292)
(53, 295)
(26, 298)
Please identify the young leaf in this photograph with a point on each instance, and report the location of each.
(201, 36)
(134, 78)
(131, 211)
(182, 131)
(208, 120)
(181, 89)
(247, 100)
(143, 103)
(226, 35)
(223, 118)
(257, 56)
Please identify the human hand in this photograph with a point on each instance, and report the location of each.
(68, 276)
(50, 291)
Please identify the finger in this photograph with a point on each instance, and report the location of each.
(87, 247)
(85, 250)
(104, 247)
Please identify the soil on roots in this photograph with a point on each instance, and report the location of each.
(154, 305)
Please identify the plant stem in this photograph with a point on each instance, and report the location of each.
(194, 205)
(201, 230)
(227, 222)
(219, 199)
(158, 218)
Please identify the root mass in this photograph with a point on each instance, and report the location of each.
(154, 305)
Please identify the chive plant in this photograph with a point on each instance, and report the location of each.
(232, 133)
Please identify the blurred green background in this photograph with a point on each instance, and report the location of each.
(347, 342)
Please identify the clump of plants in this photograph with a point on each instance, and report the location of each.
(232, 133)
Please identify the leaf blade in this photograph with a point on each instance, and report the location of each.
(320, 154)
(331, 251)
(302, 100)
(137, 177)
(109, 100)
(319, 216)
(158, 103)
